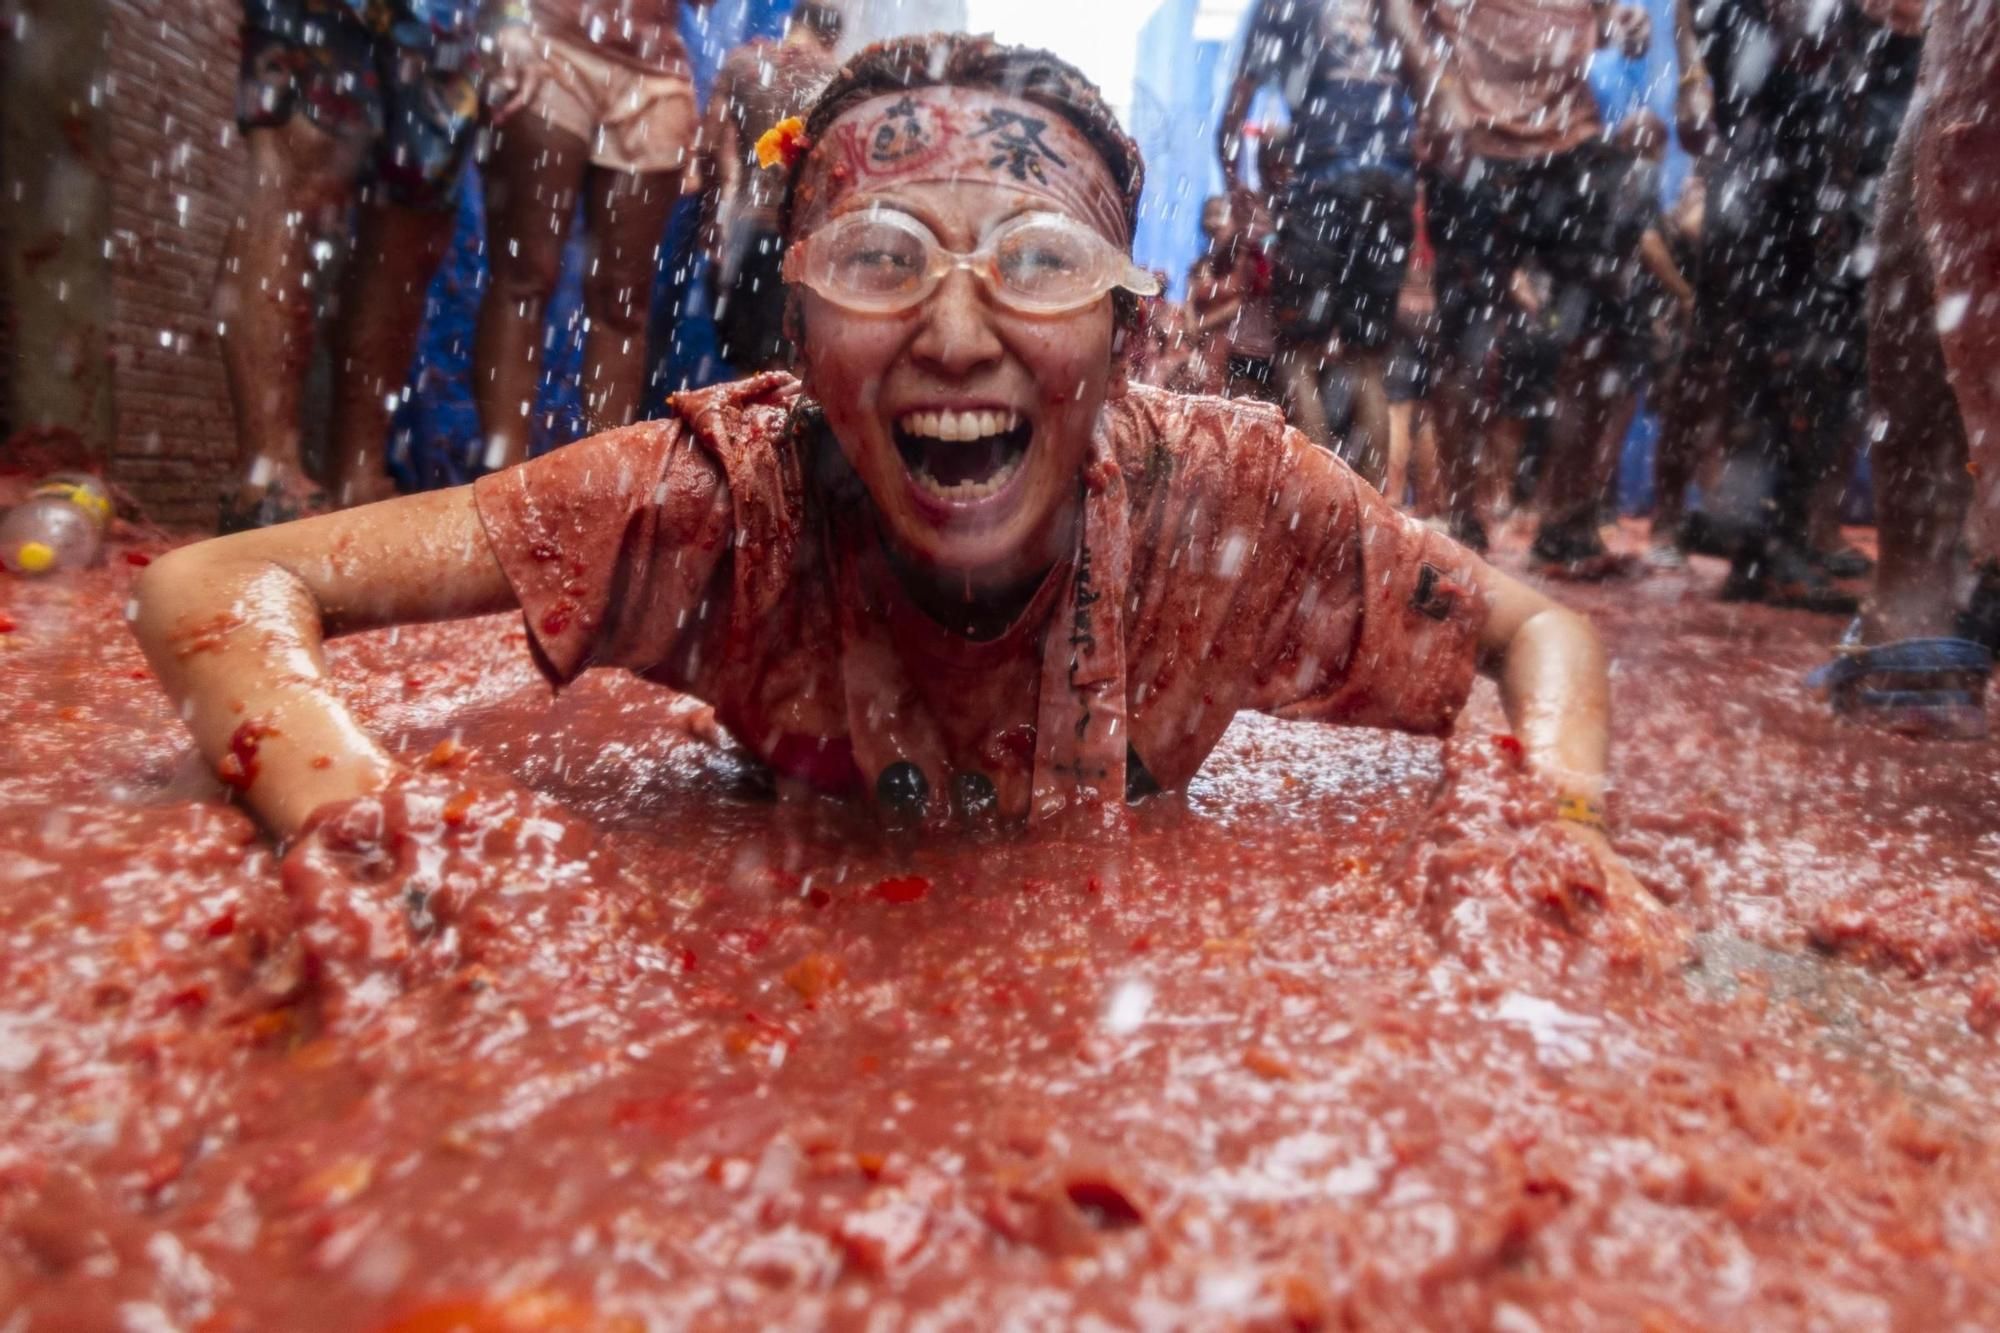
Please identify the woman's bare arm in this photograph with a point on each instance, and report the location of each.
(233, 628)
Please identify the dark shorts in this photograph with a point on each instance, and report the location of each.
(1343, 245)
(1530, 359)
(750, 311)
(1778, 302)
(398, 77)
(1408, 372)
(1251, 369)
(1567, 215)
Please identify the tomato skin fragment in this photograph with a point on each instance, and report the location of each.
(901, 889)
(1269, 1065)
(528, 1312)
(813, 976)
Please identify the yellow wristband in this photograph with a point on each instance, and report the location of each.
(1580, 810)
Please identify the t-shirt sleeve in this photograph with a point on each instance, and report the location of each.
(1379, 623)
(611, 546)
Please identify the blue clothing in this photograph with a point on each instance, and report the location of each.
(1348, 108)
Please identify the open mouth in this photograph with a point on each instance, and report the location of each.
(963, 456)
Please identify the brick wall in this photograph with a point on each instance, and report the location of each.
(9, 344)
(177, 170)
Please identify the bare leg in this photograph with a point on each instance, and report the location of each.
(1461, 440)
(1426, 475)
(396, 252)
(302, 179)
(1823, 518)
(1500, 464)
(1922, 489)
(1618, 419)
(1686, 431)
(1578, 466)
(626, 215)
(1396, 482)
(1297, 369)
(532, 185)
(1366, 446)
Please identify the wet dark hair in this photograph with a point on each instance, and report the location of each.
(959, 60)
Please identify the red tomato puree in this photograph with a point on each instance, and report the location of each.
(1337, 1038)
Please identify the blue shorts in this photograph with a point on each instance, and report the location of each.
(400, 77)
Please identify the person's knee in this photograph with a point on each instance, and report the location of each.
(525, 270)
(618, 297)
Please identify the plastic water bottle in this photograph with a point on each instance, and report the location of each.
(61, 525)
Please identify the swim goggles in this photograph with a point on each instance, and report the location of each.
(881, 261)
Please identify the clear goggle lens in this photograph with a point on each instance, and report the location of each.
(1040, 263)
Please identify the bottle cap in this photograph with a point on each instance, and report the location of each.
(35, 557)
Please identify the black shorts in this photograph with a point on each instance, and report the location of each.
(1408, 372)
(399, 79)
(1567, 214)
(750, 310)
(1531, 354)
(1253, 369)
(1343, 245)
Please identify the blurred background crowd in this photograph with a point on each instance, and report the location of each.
(1531, 263)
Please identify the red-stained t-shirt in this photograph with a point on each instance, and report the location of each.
(725, 551)
(1524, 66)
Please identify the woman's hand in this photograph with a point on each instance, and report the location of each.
(523, 69)
(1623, 893)
(446, 874)
(1645, 929)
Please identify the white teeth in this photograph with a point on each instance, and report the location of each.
(957, 426)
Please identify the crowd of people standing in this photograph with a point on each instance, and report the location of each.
(1450, 224)
(583, 113)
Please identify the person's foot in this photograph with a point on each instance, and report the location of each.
(1575, 551)
(1980, 621)
(1701, 534)
(1780, 576)
(272, 494)
(1843, 563)
(1930, 687)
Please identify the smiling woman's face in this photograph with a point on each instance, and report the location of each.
(967, 422)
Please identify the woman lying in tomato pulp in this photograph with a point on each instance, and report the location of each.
(958, 566)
